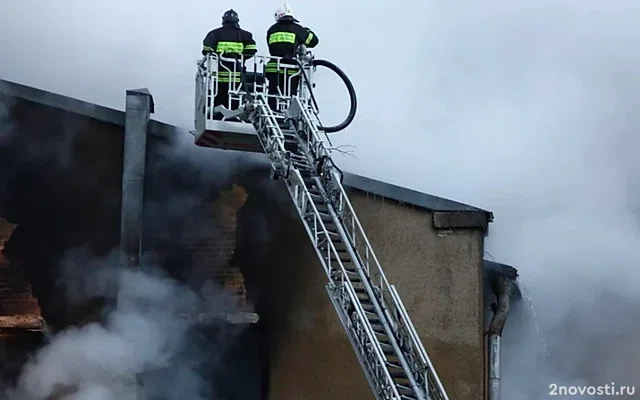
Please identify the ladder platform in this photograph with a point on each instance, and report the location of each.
(228, 135)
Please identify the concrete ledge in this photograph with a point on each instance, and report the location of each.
(460, 220)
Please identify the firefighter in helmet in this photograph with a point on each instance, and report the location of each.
(232, 42)
(284, 37)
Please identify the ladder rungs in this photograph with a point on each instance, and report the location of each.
(278, 130)
(343, 259)
(405, 390)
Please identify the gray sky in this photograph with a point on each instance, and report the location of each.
(526, 108)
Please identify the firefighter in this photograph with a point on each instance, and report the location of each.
(229, 41)
(284, 37)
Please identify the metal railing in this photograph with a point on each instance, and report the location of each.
(244, 77)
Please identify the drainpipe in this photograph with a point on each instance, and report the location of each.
(139, 107)
(505, 288)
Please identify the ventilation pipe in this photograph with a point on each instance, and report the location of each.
(503, 282)
(139, 107)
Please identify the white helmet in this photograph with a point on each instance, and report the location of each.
(283, 12)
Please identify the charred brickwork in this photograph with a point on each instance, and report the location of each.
(16, 297)
(20, 320)
(202, 251)
(61, 175)
(60, 186)
(230, 275)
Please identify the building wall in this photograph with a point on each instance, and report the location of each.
(437, 275)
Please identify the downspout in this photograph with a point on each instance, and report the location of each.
(505, 288)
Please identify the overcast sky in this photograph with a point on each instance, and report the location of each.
(526, 108)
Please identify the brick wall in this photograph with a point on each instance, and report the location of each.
(15, 291)
(229, 275)
(208, 240)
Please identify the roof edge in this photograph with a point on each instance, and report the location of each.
(65, 103)
(404, 195)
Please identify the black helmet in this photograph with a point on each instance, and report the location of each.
(230, 17)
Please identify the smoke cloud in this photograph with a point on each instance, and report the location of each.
(524, 108)
(144, 340)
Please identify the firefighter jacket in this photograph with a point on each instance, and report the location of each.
(284, 37)
(229, 41)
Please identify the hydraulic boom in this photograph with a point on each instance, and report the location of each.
(369, 307)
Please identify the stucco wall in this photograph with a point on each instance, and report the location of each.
(437, 275)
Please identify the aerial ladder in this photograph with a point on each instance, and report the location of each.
(385, 341)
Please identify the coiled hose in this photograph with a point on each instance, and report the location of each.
(353, 100)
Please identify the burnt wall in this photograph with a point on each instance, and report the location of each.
(60, 182)
(193, 201)
(16, 295)
(60, 177)
(190, 223)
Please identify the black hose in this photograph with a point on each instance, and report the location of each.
(352, 95)
(347, 82)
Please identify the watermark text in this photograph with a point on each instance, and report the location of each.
(610, 389)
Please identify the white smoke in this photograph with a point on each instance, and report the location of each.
(527, 109)
(144, 345)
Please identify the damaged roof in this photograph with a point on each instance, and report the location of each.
(14, 90)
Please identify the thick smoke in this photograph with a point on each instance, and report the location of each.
(143, 338)
(147, 341)
(524, 108)
(541, 99)
(183, 179)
